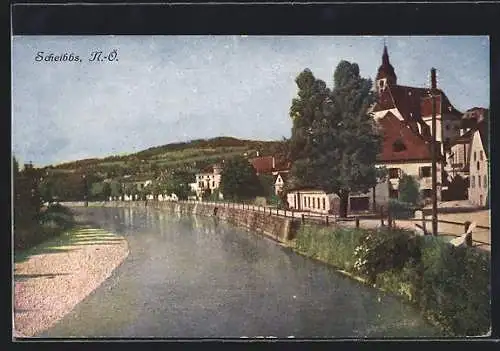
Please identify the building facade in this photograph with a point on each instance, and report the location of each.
(207, 180)
(479, 168)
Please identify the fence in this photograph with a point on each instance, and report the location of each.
(446, 229)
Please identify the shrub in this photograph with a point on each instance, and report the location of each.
(456, 287)
(409, 190)
(384, 249)
(401, 210)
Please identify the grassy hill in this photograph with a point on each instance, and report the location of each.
(191, 156)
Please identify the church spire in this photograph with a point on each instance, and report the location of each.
(385, 74)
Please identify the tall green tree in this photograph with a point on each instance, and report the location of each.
(335, 141)
(239, 181)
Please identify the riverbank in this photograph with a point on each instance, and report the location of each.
(51, 278)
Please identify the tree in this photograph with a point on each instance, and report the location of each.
(116, 189)
(409, 190)
(267, 184)
(239, 180)
(335, 142)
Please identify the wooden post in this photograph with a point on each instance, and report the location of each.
(357, 222)
(326, 220)
(468, 238)
(423, 223)
(303, 219)
(382, 216)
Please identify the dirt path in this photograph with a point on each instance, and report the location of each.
(53, 277)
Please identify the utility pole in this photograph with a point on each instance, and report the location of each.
(434, 155)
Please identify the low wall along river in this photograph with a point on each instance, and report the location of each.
(277, 228)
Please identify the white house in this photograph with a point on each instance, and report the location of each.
(318, 201)
(407, 152)
(209, 178)
(279, 182)
(479, 167)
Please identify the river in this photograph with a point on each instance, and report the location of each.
(198, 277)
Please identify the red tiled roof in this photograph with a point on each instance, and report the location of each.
(263, 164)
(446, 106)
(414, 104)
(416, 148)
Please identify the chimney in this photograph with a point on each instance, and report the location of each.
(274, 163)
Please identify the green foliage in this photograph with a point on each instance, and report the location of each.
(456, 287)
(409, 189)
(401, 210)
(239, 180)
(381, 250)
(332, 245)
(116, 189)
(267, 184)
(333, 127)
(50, 222)
(451, 285)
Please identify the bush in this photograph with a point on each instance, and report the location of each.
(384, 249)
(401, 210)
(409, 190)
(456, 287)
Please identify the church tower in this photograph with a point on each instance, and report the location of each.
(385, 74)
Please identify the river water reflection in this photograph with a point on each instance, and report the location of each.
(200, 277)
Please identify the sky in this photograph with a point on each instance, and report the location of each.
(164, 89)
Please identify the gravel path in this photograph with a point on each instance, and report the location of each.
(52, 278)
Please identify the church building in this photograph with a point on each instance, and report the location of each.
(404, 114)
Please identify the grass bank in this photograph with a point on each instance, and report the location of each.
(450, 285)
(51, 222)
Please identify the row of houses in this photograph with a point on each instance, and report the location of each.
(404, 115)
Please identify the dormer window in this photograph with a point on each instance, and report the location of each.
(398, 146)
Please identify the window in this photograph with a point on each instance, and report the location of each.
(398, 146)
(425, 171)
(314, 202)
(472, 181)
(478, 181)
(305, 202)
(481, 155)
(393, 173)
(308, 202)
(213, 184)
(474, 156)
(324, 202)
(477, 165)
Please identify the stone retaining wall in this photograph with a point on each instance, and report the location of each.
(277, 228)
